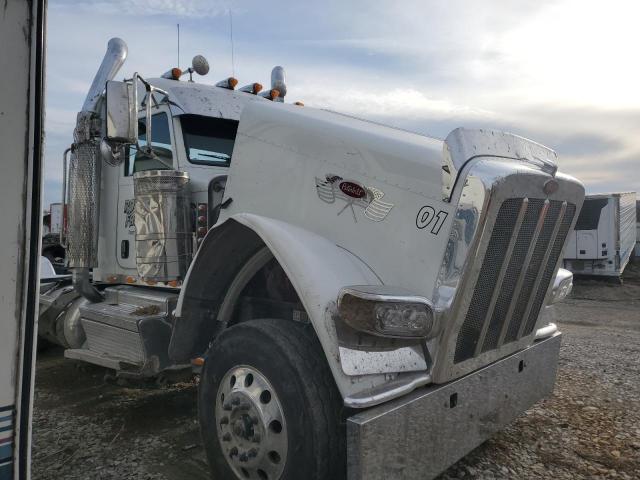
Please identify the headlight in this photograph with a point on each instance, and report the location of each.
(562, 286)
(386, 312)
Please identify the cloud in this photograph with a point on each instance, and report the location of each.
(557, 71)
(174, 8)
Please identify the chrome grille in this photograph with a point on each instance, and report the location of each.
(521, 256)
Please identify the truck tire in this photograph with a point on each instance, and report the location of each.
(268, 405)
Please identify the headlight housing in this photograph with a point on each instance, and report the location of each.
(562, 286)
(386, 312)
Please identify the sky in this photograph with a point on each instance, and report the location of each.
(564, 73)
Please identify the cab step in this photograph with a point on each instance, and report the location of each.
(128, 331)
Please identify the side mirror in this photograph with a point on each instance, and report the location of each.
(122, 112)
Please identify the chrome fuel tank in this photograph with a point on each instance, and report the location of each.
(164, 234)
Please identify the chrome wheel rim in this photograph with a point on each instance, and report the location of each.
(250, 424)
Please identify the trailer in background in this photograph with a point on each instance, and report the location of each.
(637, 253)
(52, 226)
(604, 237)
(56, 213)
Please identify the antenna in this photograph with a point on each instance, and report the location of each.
(233, 66)
(178, 25)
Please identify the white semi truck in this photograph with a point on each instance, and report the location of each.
(366, 303)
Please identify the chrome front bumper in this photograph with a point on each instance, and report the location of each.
(420, 435)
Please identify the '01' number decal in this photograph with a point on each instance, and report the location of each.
(428, 218)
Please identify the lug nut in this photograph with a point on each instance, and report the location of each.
(233, 452)
(243, 457)
(253, 453)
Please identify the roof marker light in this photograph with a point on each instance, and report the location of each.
(253, 88)
(272, 94)
(228, 83)
(173, 74)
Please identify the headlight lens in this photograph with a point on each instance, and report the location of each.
(562, 286)
(385, 311)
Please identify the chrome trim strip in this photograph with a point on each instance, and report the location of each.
(376, 293)
(543, 267)
(503, 271)
(523, 273)
(377, 396)
(546, 331)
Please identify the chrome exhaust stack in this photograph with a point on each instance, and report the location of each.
(84, 176)
(113, 60)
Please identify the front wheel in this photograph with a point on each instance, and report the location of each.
(269, 407)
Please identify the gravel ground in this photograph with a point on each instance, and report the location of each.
(85, 427)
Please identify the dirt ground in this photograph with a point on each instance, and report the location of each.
(86, 428)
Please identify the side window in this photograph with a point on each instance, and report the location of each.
(137, 161)
(208, 140)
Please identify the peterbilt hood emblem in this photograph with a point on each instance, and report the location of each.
(550, 187)
(354, 194)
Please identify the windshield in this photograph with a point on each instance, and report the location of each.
(208, 140)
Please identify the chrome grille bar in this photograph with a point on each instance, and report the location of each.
(545, 260)
(501, 275)
(525, 267)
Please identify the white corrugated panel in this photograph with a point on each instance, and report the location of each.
(627, 226)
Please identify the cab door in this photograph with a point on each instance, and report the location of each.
(162, 141)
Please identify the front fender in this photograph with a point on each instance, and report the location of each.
(317, 268)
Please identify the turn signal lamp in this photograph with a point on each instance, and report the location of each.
(299, 104)
(198, 361)
(386, 312)
(228, 83)
(253, 88)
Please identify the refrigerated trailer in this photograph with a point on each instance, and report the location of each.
(637, 251)
(604, 237)
(52, 240)
(56, 212)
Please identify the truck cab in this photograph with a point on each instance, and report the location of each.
(195, 134)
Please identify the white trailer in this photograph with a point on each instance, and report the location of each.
(604, 237)
(56, 212)
(637, 252)
(22, 107)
